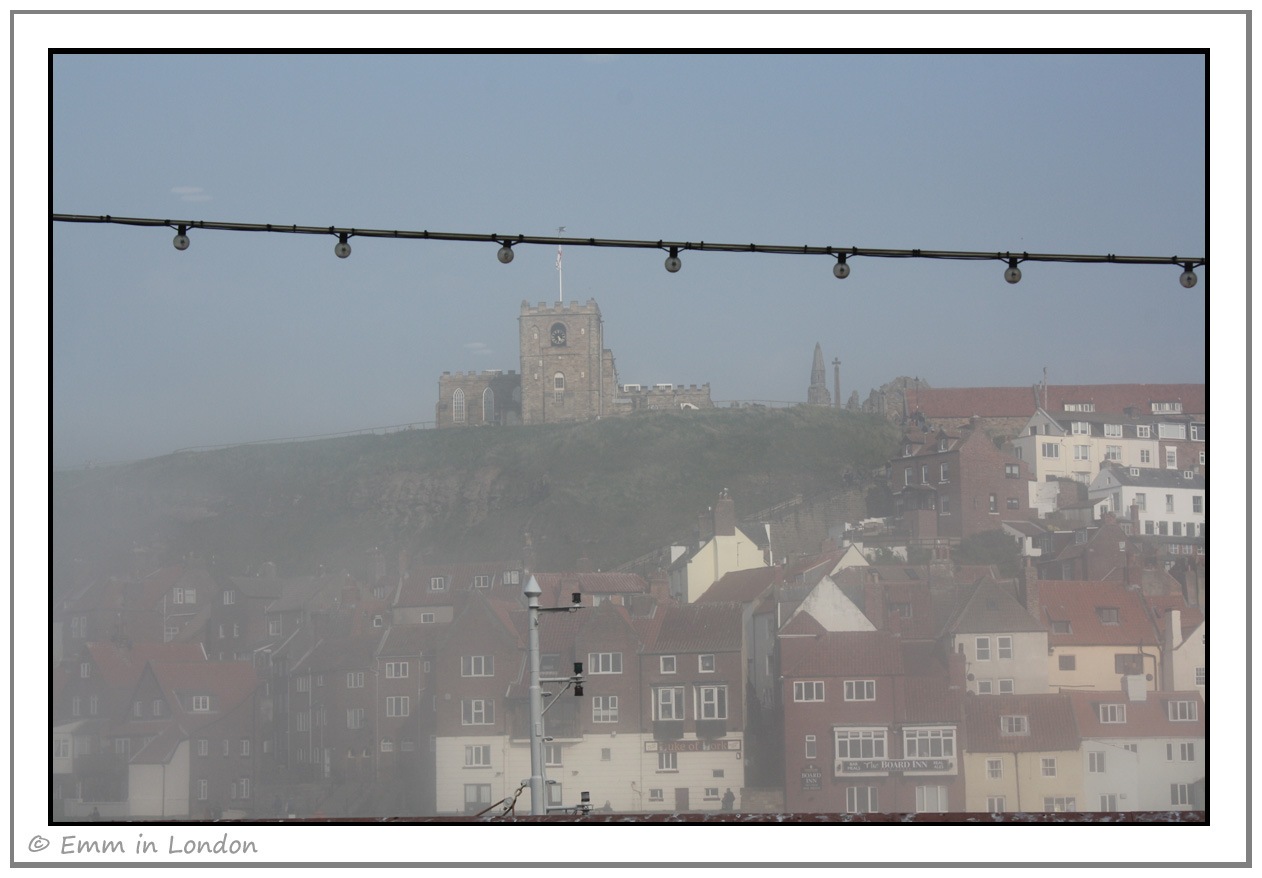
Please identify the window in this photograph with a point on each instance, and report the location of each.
(1062, 626)
(907, 476)
(512, 577)
(1202, 458)
(604, 663)
(1169, 503)
(1107, 615)
(1067, 663)
(1060, 803)
(1014, 503)
(1012, 470)
(488, 406)
(931, 799)
(477, 796)
(606, 754)
(1141, 501)
(245, 747)
(902, 609)
(994, 769)
(944, 472)
(482, 581)
(397, 705)
(605, 708)
(1179, 794)
(705, 664)
(457, 406)
(860, 743)
(302, 722)
(477, 712)
(1005, 646)
(1143, 431)
(1181, 752)
(808, 690)
(1095, 762)
(1112, 713)
(355, 718)
(1162, 528)
(667, 760)
(427, 618)
(1082, 452)
(203, 789)
(1148, 528)
(1006, 687)
(1172, 431)
(1080, 406)
(273, 627)
(928, 743)
(387, 746)
(861, 800)
(1080, 428)
(711, 702)
(1051, 450)
(1113, 430)
(203, 747)
(477, 666)
(1182, 711)
(396, 670)
(985, 687)
(1197, 506)
(552, 754)
(1113, 452)
(1108, 801)
(995, 804)
(229, 597)
(1145, 455)
(227, 747)
(655, 794)
(944, 504)
(1014, 725)
(668, 703)
(667, 664)
(355, 680)
(994, 503)
(924, 474)
(983, 649)
(201, 704)
(1049, 766)
(438, 583)
(809, 750)
(1172, 458)
(1200, 676)
(1128, 664)
(1176, 529)
(303, 684)
(558, 387)
(860, 690)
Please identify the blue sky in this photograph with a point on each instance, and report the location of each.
(250, 337)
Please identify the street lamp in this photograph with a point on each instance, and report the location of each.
(537, 781)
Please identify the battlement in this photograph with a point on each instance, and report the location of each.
(571, 307)
(486, 373)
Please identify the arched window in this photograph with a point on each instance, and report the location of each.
(558, 387)
(457, 406)
(488, 406)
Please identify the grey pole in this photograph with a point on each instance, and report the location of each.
(538, 804)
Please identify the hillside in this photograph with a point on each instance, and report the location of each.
(609, 490)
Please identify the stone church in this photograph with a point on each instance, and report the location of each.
(566, 374)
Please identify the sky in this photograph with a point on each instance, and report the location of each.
(247, 337)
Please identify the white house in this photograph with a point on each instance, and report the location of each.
(1155, 501)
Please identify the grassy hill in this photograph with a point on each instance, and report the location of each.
(609, 490)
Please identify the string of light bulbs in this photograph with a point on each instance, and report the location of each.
(841, 269)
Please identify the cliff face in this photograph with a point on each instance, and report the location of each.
(608, 490)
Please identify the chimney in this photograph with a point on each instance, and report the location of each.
(873, 602)
(1030, 591)
(1136, 686)
(1174, 631)
(659, 585)
(705, 526)
(724, 516)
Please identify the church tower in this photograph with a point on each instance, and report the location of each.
(566, 373)
(818, 394)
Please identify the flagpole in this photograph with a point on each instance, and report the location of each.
(560, 273)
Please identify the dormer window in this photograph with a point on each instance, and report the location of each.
(1113, 430)
(907, 450)
(1061, 626)
(1080, 428)
(1112, 713)
(199, 704)
(1014, 725)
(1182, 711)
(942, 444)
(1134, 471)
(1107, 615)
(1143, 431)
(1187, 474)
(437, 583)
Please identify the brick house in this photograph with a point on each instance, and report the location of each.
(954, 484)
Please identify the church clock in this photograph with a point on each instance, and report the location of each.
(558, 335)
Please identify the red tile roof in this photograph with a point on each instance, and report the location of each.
(850, 654)
(1049, 720)
(741, 585)
(1002, 402)
(709, 627)
(1149, 718)
(1080, 603)
(121, 665)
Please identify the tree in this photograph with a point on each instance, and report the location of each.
(992, 547)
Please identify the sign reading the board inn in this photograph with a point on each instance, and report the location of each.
(892, 766)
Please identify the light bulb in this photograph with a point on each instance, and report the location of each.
(181, 241)
(341, 248)
(1188, 278)
(672, 261)
(505, 255)
(841, 270)
(1013, 274)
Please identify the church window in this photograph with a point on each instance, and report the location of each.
(558, 387)
(457, 406)
(488, 406)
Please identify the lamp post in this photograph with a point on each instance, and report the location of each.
(537, 782)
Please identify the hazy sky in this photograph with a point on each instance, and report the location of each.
(248, 337)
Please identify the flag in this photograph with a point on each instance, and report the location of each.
(558, 257)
